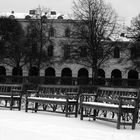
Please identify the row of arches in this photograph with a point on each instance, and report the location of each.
(34, 71)
(66, 75)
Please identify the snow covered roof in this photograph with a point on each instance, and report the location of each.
(51, 15)
(16, 15)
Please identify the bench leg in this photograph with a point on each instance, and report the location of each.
(133, 124)
(81, 114)
(135, 117)
(76, 110)
(11, 104)
(19, 103)
(118, 120)
(66, 110)
(94, 114)
(26, 106)
(6, 103)
(36, 107)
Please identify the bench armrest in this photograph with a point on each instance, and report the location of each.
(30, 92)
(15, 92)
(128, 98)
(125, 100)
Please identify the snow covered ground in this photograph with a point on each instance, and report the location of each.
(18, 125)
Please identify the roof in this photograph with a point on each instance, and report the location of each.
(23, 15)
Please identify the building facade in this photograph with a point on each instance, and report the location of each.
(118, 66)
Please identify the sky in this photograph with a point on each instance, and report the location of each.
(18, 125)
(126, 9)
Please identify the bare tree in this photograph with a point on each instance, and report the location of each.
(95, 24)
(38, 38)
(133, 34)
(12, 42)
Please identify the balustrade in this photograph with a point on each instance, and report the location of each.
(50, 80)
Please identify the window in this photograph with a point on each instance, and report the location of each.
(50, 51)
(116, 52)
(133, 52)
(51, 32)
(100, 52)
(83, 32)
(66, 51)
(83, 51)
(67, 32)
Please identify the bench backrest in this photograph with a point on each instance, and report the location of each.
(87, 89)
(6, 89)
(57, 89)
(113, 94)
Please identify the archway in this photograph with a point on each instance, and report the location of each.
(33, 75)
(101, 77)
(17, 71)
(33, 71)
(66, 76)
(2, 74)
(17, 75)
(83, 76)
(50, 76)
(2, 71)
(116, 77)
(132, 78)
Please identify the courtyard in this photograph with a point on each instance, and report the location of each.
(18, 125)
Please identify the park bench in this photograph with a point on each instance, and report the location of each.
(119, 105)
(10, 96)
(59, 99)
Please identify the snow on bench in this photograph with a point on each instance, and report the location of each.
(61, 103)
(119, 105)
(11, 94)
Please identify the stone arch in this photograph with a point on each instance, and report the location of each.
(33, 75)
(101, 77)
(83, 76)
(2, 74)
(132, 78)
(50, 76)
(66, 76)
(34, 71)
(17, 73)
(2, 71)
(116, 77)
(101, 73)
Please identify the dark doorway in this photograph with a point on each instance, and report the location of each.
(83, 76)
(17, 75)
(33, 75)
(2, 74)
(101, 77)
(116, 78)
(66, 76)
(132, 78)
(34, 71)
(50, 76)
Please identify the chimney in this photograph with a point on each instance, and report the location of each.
(53, 12)
(12, 12)
(32, 12)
